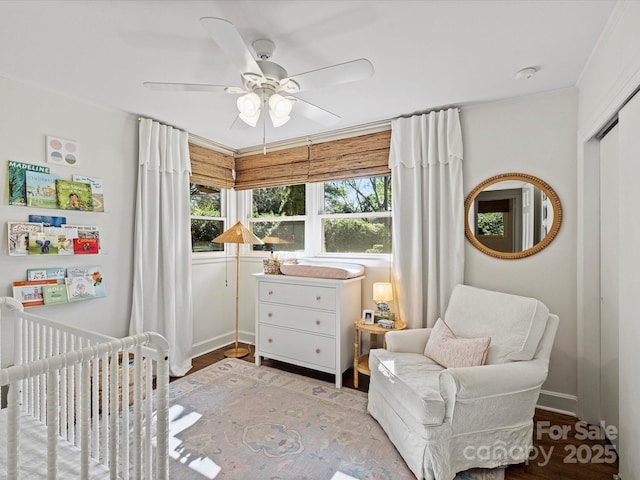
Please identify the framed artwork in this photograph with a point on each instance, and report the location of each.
(367, 317)
(61, 151)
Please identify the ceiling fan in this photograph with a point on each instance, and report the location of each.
(267, 84)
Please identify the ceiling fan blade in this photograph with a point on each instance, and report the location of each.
(352, 71)
(227, 37)
(186, 87)
(315, 113)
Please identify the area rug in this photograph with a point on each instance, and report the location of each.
(233, 420)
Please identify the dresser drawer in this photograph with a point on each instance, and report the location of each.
(310, 296)
(299, 346)
(313, 321)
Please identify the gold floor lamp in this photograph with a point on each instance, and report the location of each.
(237, 234)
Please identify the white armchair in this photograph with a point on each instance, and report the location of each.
(448, 420)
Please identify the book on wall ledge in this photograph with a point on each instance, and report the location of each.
(48, 220)
(79, 288)
(17, 180)
(41, 190)
(43, 244)
(96, 189)
(18, 236)
(54, 294)
(74, 195)
(84, 246)
(93, 271)
(29, 293)
(48, 273)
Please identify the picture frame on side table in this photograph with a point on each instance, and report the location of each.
(367, 317)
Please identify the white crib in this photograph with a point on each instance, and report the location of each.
(58, 423)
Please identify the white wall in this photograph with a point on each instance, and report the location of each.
(108, 149)
(533, 135)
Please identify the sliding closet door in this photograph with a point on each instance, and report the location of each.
(629, 287)
(609, 261)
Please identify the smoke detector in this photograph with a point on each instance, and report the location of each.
(526, 73)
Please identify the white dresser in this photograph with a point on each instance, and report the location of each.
(307, 321)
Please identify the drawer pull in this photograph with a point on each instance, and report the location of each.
(317, 322)
(270, 292)
(318, 298)
(269, 314)
(317, 350)
(270, 340)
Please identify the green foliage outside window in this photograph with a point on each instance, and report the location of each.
(205, 202)
(491, 223)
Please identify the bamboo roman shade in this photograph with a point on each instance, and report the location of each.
(209, 167)
(282, 167)
(362, 156)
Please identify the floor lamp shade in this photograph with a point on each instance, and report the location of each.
(237, 234)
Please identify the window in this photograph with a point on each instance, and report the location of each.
(207, 221)
(341, 216)
(357, 215)
(278, 217)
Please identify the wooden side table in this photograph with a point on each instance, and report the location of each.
(361, 361)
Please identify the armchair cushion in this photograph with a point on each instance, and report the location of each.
(450, 351)
(514, 323)
(411, 384)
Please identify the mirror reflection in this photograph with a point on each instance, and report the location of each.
(512, 215)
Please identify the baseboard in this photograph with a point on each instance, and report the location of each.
(211, 344)
(558, 402)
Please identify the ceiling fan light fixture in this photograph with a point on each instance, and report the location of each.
(280, 106)
(251, 120)
(249, 104)
(278, 121)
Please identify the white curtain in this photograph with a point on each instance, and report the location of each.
(162, 245)
(428, 213)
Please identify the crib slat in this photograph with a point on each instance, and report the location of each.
(113, 416)
(52, 424)
(13, 426)
(137, 414)
(147, 423)
(85, 372)
(124, 450)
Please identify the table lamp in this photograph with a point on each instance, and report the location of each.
(382, 293)
(237, 234)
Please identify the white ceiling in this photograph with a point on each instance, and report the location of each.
(426, 54)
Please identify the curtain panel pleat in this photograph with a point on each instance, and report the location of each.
(162, 300)
(212, 168)
(428, 213)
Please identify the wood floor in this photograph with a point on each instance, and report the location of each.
(563, 448)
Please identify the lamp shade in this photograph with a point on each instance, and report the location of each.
(382, 292)
(237, 234)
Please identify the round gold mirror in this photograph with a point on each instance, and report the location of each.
(512, 215)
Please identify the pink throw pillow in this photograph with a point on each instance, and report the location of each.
(451, 351)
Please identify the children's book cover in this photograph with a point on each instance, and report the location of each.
(48, 220)
(93, 271)
(48, 273)
(41, 190)
(18, 236)
(30, 293)
(65, 238)
(83, 246)
(43, 244)
(54, 294)
(17, 180)
(74, 195)
(79, 288)
(96, 189)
